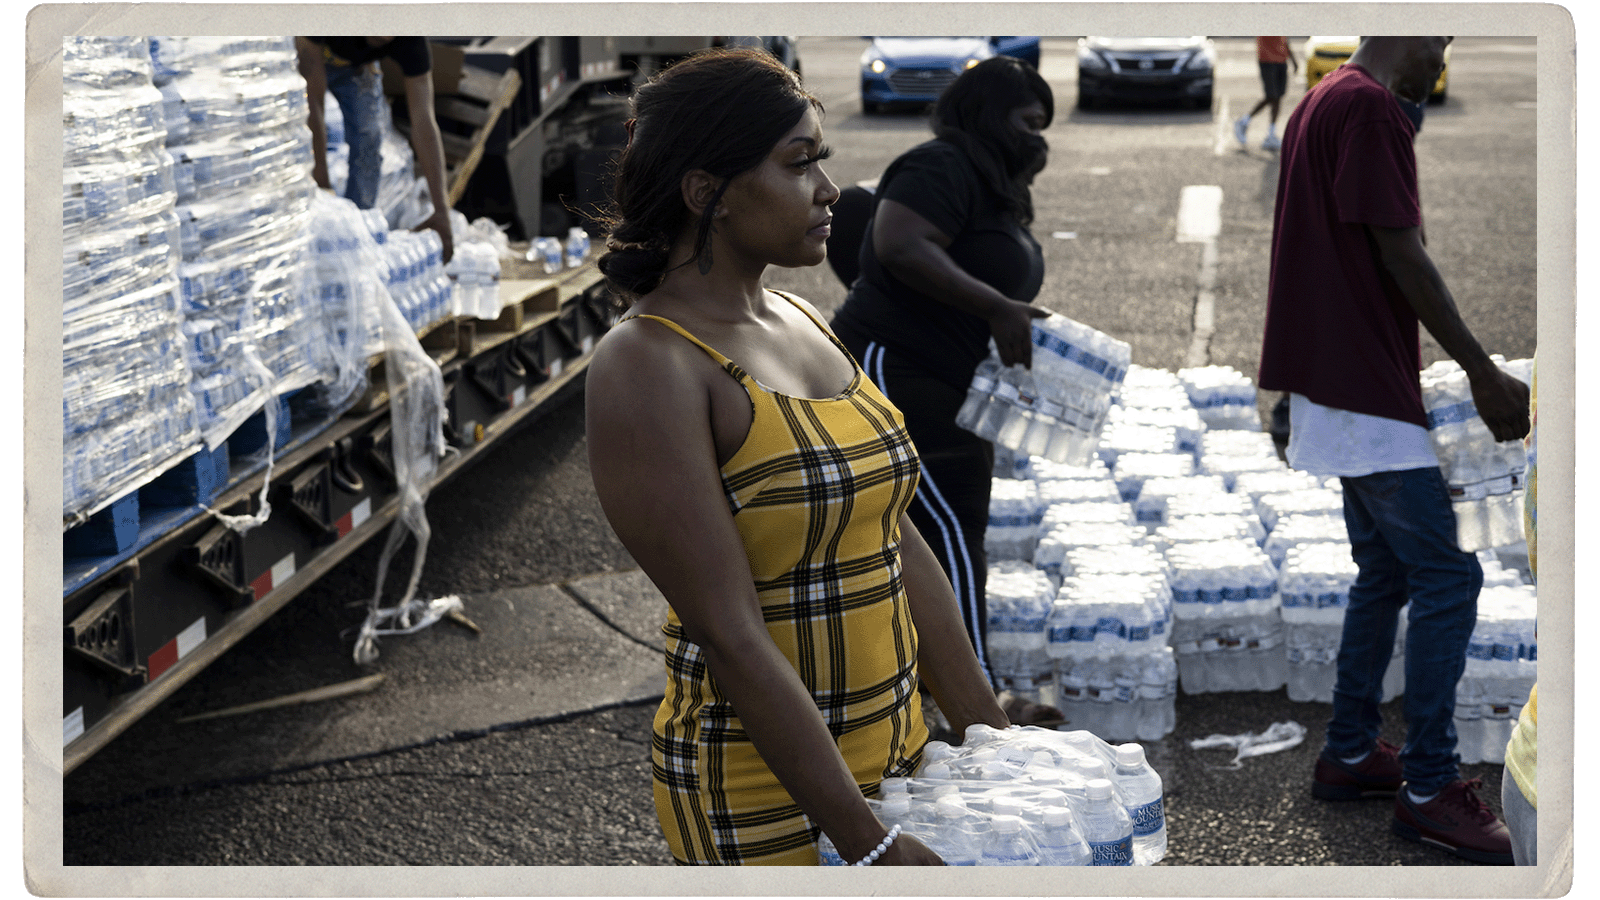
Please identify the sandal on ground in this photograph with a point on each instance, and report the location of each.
(1022, 711)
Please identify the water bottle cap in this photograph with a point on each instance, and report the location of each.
(950, 805)
(937, 772)
(897, 806)
(1056, 816)
(1008, 824)
(1006, 806)
(894, 785)
(1098, 789)
(1130, 755)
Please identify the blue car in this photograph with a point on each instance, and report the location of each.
(918, 69)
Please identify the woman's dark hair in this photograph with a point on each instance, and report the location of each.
(974, 114)
(721, 111)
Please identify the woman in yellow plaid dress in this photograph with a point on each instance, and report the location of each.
(760, 480)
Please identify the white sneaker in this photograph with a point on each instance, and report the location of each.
(1239, 127)
(1271, 142)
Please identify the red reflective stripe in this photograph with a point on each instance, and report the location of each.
(345, 523)
(163, 659)
(262, 586)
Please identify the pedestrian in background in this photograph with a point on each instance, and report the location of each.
(1350, 280)
(347, 67)
(947, 264)
(760, 480)
(1274, 56)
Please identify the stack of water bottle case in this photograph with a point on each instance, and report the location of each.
(1027, 797)
(1174, 547)
(204, 274)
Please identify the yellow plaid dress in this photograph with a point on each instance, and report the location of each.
(816, 491)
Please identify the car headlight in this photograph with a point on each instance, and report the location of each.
(1088, 59)
(971, 62)
(1200, 62)
(878, 66)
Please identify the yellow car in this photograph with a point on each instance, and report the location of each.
(1324, 54)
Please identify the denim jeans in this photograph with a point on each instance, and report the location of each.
(1403, 538)
(359, 92)
(1521, 819)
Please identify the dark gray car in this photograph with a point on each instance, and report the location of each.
(1146, 69)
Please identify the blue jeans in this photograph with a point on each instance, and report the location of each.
(1403, 538)
(359, 92)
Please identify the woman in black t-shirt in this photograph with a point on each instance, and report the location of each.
(947, 264)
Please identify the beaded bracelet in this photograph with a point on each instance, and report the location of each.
(883, 847)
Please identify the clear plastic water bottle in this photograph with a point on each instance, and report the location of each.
(827, 854)
(956, 843)
(1061, 840)
(980, 395)
(1008, 845)
(1141, 791)
(1106, 825)
(576, 247)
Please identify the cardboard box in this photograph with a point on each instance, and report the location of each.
(447, 71)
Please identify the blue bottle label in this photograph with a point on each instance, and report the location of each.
(1149, 818)
(1112, 853)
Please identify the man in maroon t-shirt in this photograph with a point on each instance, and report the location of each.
(1350, 281)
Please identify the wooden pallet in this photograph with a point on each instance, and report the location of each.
(478, 104)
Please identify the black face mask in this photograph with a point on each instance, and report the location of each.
(1026, 157)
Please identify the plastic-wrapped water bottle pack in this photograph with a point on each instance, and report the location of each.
(1226, 628)
(1196, 529)
(1043, 470)
(1154, 495)
(1224, 396)
(1070, 534)
(1123, 438)
(1057, 408)
(1314, 584)
(1327, 501)
(1133, 469)
(1019, 598)
(1028, 797)
(1502, 665)
(1485, 476)
(125, 417)
(244, 214)
(1185, 422)
(1014, 516)
(1297, 529)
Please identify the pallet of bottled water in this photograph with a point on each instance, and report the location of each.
(1224, 397)
(1226, 629)
(1314, 585)
(1027, 797)
(1485, 476)
(1502, 666)
(1057, 408)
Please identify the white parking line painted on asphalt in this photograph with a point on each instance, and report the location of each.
(1224, 140)
(1200, 222)
(1199, 213)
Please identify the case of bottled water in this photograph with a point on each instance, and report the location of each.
(1014, 516)
(1314, 582)
(1027, 796)
(1155, 495)
(1502, 666)
(1057, 408)
(1226, 631)
(1485, 476)
(1185, 422)
(243, 173)
(1123, 438)
(1133, 469)
(1018, 599)
(127, 414)
(1323, 501)
(1224, 397)
(1296, 529)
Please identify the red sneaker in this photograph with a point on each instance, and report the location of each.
(1455, 821)
(1376, 776)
